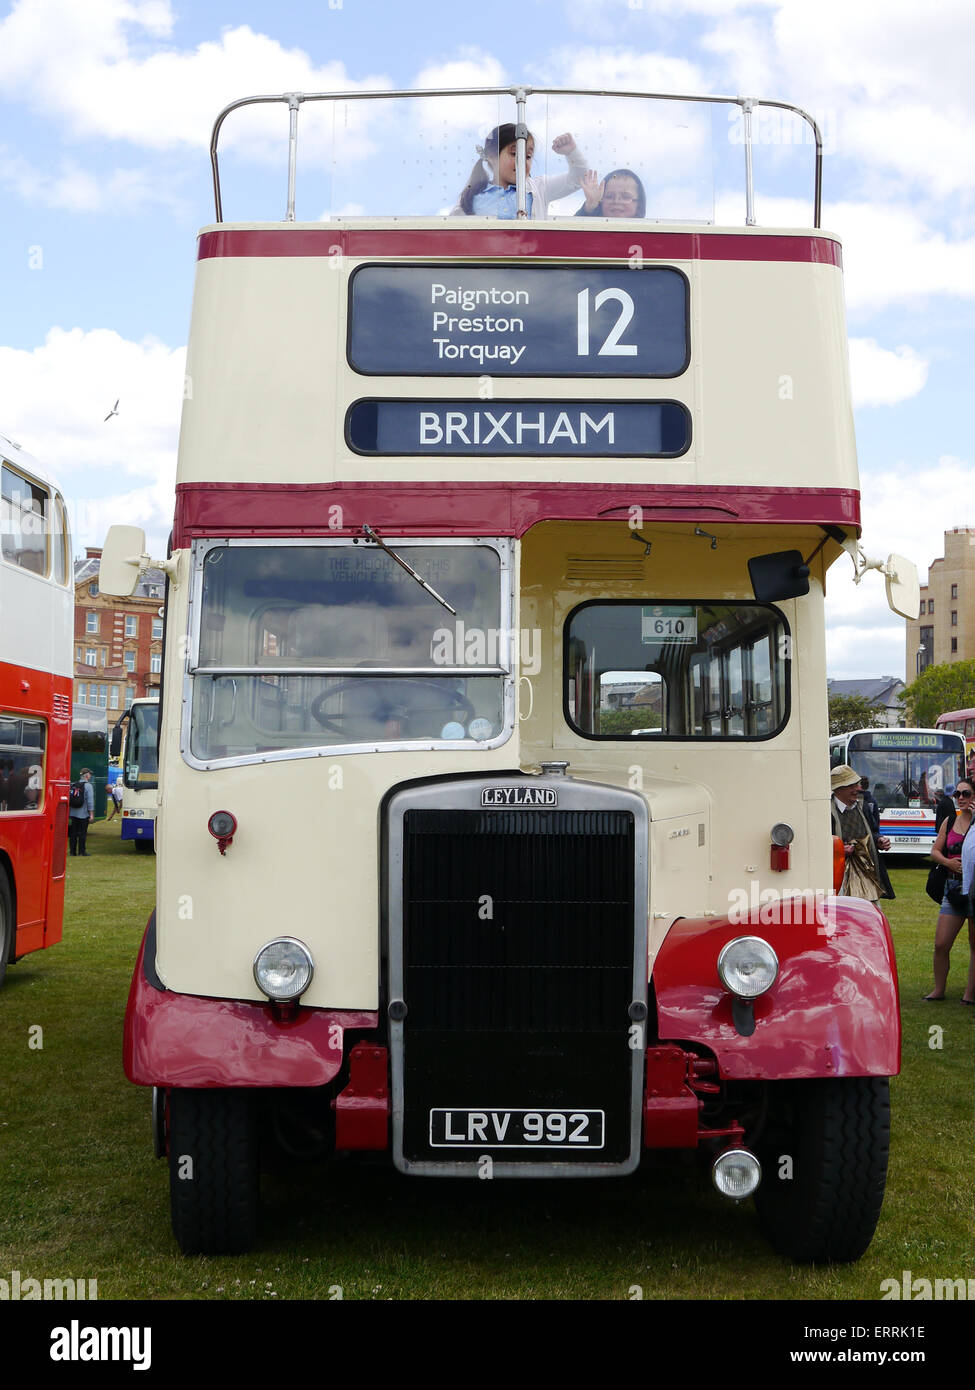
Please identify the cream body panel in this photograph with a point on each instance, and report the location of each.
(738, 788)
(304, 862)
(775, 404)
(269, 384)
(37, 619)
(768, 390)
(36, 612)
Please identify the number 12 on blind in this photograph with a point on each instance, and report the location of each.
(612, 347)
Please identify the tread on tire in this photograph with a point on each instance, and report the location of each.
(837, 1132)
(213, 1170)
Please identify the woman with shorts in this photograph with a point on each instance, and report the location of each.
(947, 852)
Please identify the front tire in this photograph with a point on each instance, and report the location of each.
(824, 1205)
(213, 1170)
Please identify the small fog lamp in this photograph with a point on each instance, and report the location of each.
(223, 827)
(782, 837)
(748, 966)
(736, 1173)
(283, 969)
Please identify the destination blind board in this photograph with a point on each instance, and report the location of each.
(605, 429)
(505, 320)
(903, 742)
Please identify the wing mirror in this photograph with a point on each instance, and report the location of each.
(780, 575)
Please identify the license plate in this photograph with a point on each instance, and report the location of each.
(517, 1129)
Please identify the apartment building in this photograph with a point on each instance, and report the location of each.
(945, 630)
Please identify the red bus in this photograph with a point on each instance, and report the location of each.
(961, 721)
(37, 603)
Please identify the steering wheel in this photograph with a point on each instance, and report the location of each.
(388, 699)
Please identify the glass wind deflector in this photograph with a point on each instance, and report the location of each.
(655, 156)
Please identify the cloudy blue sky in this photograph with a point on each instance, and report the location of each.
(105, 114)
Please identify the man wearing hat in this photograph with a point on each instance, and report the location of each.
(865, 876)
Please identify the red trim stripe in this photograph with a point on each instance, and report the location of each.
(485, 508)
(512, 240)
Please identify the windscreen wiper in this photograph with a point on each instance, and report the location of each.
(373, 536)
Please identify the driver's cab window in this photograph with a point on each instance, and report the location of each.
(644, 669)
(341, 644)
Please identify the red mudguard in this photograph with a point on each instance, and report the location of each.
(186, 1040)
(833, 1011)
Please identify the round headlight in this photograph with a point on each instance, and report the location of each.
(782, 834)
(736, 1173)
(748, 966)
(283, 969)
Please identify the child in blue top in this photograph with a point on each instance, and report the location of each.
(495, 196)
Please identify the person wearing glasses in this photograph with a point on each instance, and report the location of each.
(948, 851)
(619, 194)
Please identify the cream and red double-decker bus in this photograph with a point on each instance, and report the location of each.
(493, 787)
(36, 621)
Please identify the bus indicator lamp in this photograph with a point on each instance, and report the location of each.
(223, 827)
(782, 837)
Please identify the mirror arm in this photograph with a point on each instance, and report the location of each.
(145, 562)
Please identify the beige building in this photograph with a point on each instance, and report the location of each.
(945, 630)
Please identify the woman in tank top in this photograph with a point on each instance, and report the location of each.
(947, 851)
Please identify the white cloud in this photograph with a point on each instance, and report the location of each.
(604, 17)
(907, 508)
(894, 77)
(443, 117)
(77, 190)
(881, 377)
(150, 508)
(863, 637)
(890, 254)
(94, 66)
(54, 400)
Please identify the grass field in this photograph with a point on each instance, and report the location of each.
(81, 1195)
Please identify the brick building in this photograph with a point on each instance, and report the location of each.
(118, 641)
(945, 631)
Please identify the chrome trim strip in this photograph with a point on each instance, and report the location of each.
(367, 672)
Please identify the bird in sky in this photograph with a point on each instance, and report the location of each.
(113, 411)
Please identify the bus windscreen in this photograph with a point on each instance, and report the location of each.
(906, 770)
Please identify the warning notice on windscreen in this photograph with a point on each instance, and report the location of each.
(518, 321)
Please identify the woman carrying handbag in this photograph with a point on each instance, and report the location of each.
(955, 907)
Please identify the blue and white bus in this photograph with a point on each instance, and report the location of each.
(909, 770)
(136, 738)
